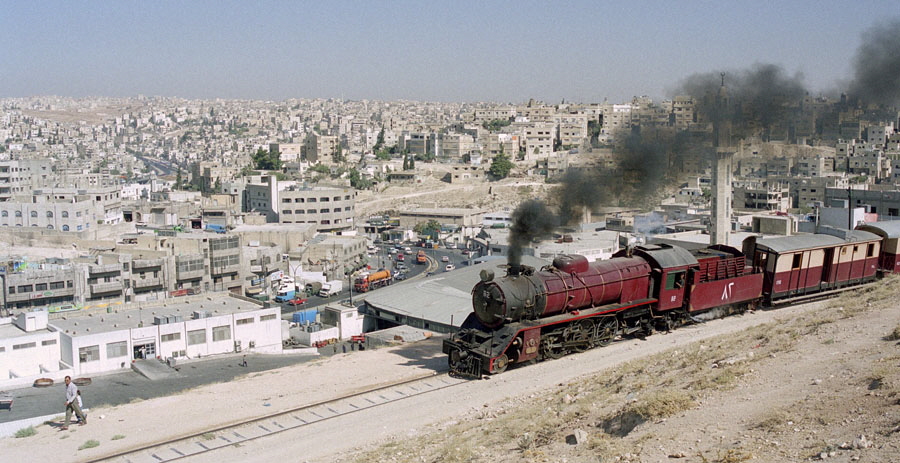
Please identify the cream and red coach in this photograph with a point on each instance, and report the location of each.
(803, 264)
(889, 232)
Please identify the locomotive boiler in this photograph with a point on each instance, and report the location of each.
(571, 283)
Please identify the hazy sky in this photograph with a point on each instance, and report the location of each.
(424, 50)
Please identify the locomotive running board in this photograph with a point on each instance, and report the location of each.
(579, 314)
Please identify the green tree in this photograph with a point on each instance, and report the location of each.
(267, 160)
(405, 163)
(178, 179)
(383, 155)
(357, 181)
(217, 188)
(196, 180)
(379, 142)
(431, 228)
(321, 168)
(339, 154)
(496, 124)
(501, 166)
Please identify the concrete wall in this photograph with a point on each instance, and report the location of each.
(28, 361)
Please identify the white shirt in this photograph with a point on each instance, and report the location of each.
(71, 393)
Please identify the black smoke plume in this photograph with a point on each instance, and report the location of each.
(877, 74)
(530, 221)
(760, 98)
(579, 191)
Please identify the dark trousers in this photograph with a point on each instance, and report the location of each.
(73, 407)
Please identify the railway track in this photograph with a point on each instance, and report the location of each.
(210, 440)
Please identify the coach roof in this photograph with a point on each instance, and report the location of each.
(814, 241)
(886, 229)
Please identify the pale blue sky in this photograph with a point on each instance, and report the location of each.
(422, 50)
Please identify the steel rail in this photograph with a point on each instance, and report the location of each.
(167, 447)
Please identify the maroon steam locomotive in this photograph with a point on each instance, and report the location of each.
(573, 305)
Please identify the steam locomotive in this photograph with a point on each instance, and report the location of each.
(573, 304)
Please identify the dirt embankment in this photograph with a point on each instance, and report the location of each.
(822, 385)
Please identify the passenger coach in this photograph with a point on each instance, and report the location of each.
(890, 234)
(802, 264)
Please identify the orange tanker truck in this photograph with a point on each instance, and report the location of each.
(372, 281)
(420, 257)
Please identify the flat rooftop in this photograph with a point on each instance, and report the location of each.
(460, 211)
(444, 298)
(10, 331)
(131, 316)
(277, 227)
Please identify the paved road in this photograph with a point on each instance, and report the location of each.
(383, 259)
(128, 386)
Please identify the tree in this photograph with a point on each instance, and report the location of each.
(496, 124)
(267, 160)
(338, 154)
(217, 188)
(501, 166)
(357, 181)
(383, 155)
(197, 183)
(431, 228)
(412, 162)
(379, 142)
(405, 163)
(178, 179)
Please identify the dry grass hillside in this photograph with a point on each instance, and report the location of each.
(822, 386)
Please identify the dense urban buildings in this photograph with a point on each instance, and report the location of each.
(112, 204)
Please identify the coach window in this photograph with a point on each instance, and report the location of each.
(675, 280)
(870, 250)
(798, 258)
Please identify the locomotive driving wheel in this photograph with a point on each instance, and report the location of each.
(551, 347)
(606, 331)
(580, 336)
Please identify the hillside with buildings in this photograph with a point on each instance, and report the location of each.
(113, 204)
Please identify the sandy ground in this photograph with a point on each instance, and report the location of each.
(208, 406)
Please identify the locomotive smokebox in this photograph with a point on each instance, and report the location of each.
(514, 270)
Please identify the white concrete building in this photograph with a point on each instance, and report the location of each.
(98, 342)
(28, 350)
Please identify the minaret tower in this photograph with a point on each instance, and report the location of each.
(720, 226)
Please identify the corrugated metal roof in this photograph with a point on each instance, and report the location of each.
(889, 229)
(441, 297)
(667, 256)
(810, 241)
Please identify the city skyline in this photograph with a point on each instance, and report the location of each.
(501, 51)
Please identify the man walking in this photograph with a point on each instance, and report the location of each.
(72, 404)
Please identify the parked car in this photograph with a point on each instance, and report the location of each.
(445, 258)
(449, 267)
(465, 252)
(297, 301)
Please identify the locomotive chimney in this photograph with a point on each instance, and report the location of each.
(513, 270)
